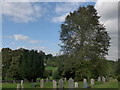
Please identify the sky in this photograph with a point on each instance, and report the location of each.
(36, 25)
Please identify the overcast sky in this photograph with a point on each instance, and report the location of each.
(37, 25)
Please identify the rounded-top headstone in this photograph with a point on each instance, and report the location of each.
(85, 84)
(60, 83)
(70, 83)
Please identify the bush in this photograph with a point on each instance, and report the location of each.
(56, 75)
(118, 77)
(46, 74)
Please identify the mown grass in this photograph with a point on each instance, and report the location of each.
(51, 68)
(112, 84)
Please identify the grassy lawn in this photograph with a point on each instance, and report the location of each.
(51, 68)
(112, 84)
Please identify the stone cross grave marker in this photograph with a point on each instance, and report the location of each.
(41, 83)
(70, 83)
(103, 79)
(54, 84)
(92, 81)
(99, 79)
(76, 84)
(61, 83)
(85, 84)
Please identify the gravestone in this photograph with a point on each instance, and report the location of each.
(18, 86)
(70, 83)
(65, 79)
(14, 81)
(41, 83)
(92, 81)
(33, 85)
(22, 87)
(76, 84)
(103, 79)
(85, 84)
(61, 83)
(54, 84)
(99, 79)
(47, 80)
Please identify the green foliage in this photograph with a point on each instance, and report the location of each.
(118, 77)
(22, 63)
(56, 75)
(85, 43)
(46, 74)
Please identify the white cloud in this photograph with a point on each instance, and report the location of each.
(109, 17)
(34, 41)
(66, 7)
(59, 18)
(63, 9)
(21, 11)
(20, 37)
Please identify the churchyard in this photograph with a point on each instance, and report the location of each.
(63, 83)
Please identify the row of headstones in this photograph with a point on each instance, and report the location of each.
(103, 79)
(71, 83)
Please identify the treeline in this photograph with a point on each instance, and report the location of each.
(78, 69)
(22, 64)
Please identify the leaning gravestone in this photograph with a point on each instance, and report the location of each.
(18, 86)
(103, 79)
(76, 84)
(41, 83)
(60, 83)
(70, 83)
(54, 84)
(99, 79)
(85, 84)
(92, 81)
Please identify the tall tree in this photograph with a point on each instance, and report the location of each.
(82, 33)
(84, 37)
(31, 64)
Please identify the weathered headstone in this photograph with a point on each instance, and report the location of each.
(41, 83)
(33, 85)
(22, 86)
(61, 83)
(14, 81)
(18, 86)
(103, 79)
(92, 81)
(76, 84)
(70, 83)
(47, 80)
(99, 79)
(65, 79)
(54, 84)
(21, 82)
(85, 84)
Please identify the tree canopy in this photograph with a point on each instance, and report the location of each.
(86, 42)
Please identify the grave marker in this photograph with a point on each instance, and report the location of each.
(70, 83)
(85, 84)
(60, 83)
(76, 84)
(41, 83)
